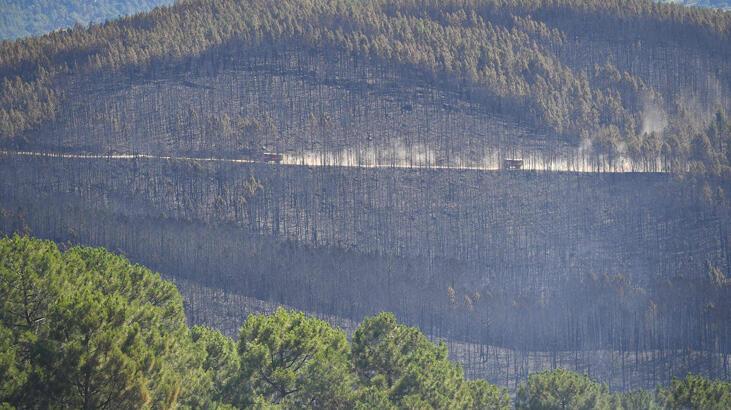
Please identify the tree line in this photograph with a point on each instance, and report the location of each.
(84, 328)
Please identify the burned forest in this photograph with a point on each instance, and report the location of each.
(539, 185)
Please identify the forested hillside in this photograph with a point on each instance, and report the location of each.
(549, 65)
(22, 18)
(346, 157)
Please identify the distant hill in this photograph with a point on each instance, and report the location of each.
(635, 80)
(715, 4)
(22, 18)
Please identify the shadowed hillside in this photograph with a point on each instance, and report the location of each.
(526, 261)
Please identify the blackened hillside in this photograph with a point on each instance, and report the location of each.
(529, 261)
(391, 119)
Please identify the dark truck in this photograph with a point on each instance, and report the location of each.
(271, 157)
(513, 164)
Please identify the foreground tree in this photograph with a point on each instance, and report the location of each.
(562, 389)
(488, 396)
(88, 330)
(636, 400)
(402, 361)
(696, 392)
(217, 365)
(11, 377)
(28, 270)
(294, 360)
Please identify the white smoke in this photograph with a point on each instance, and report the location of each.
(654, 119)
(586, 147)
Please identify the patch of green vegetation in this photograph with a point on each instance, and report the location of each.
(86, 329)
